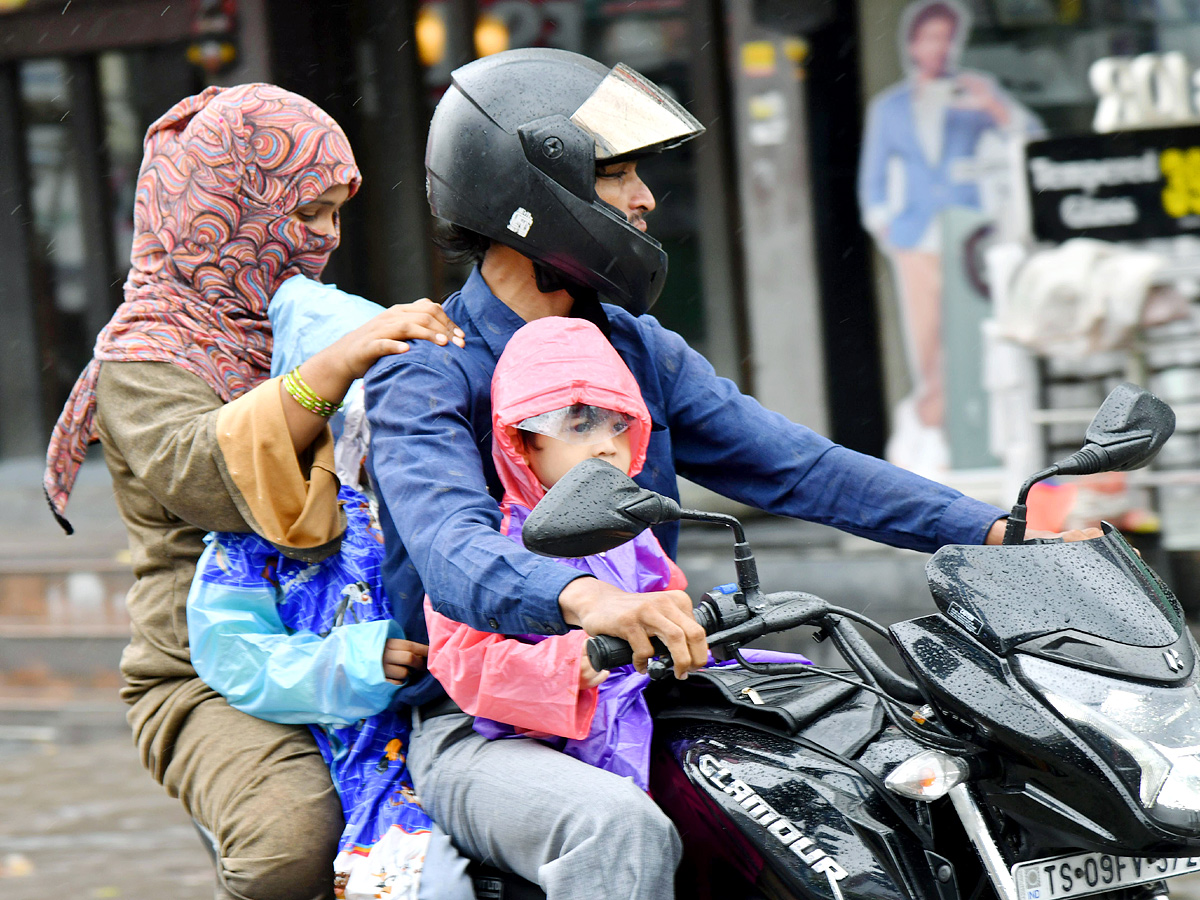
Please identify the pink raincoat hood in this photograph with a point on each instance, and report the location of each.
(548, 364)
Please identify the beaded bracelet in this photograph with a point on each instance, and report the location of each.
(306, 396)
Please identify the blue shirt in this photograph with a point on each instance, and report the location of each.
(431, 460)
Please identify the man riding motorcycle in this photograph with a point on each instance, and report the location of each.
(532, 160)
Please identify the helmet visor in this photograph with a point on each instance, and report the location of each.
(629, 114)
(579, 424)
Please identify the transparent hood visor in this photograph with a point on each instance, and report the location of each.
(579, 424)
(629, 114)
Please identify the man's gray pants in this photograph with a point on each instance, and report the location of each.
(579, 832)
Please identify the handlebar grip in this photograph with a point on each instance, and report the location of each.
(608, 652)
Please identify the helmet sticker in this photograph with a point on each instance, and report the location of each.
(521, 221)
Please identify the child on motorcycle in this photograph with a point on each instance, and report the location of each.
(298, 642)
(560, 394)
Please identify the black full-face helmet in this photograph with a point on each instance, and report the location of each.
(512, 154)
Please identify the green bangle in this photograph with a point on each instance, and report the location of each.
(306, 396)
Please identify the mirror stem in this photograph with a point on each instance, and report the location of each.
(1014, 530)
(747, 572)
(743, 556)
(698, 515)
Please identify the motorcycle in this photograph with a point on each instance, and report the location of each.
(1043, 742)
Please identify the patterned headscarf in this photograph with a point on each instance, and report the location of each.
(212, 242)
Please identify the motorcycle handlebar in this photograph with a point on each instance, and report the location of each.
(607, 652)
(780, 613)
(849, 641)
(786, 611)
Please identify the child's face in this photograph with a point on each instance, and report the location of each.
(550, 459)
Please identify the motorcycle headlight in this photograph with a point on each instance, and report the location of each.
(1150, 734)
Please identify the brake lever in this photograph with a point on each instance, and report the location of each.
(798, 610)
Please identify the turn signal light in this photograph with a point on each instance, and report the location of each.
(928, 775)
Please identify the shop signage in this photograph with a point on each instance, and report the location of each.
(1119, 186)
(1153, 89)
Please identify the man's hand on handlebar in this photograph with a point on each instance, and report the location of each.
(600, 608)
(995, 535)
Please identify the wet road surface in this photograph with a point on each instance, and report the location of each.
(86, 821)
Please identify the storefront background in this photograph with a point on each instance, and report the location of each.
(768, 269)
(1040, 52)
(771, 275)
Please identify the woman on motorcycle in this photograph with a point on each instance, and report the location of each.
(297, 642)
(239, 190)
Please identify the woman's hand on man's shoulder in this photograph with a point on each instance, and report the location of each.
(389, 332)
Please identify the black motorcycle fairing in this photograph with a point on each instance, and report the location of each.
(1044, 764)
(813, 822)
(971, 682)
(1007, 595)
(1173, 665)
(850, 727)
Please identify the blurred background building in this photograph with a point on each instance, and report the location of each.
(772, 276)
(769, 270)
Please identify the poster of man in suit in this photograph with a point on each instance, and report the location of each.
(925, 147)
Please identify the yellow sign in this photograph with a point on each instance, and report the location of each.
(758, 58)
(796, 50)
(1181, 196)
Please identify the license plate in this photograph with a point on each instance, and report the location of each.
(1089, 873)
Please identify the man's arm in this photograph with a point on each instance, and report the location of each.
(729, 443)
(426, 463)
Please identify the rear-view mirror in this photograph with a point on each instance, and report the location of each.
(1127, 432)
(593, 508)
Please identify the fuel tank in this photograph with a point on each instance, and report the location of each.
(792, 820)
